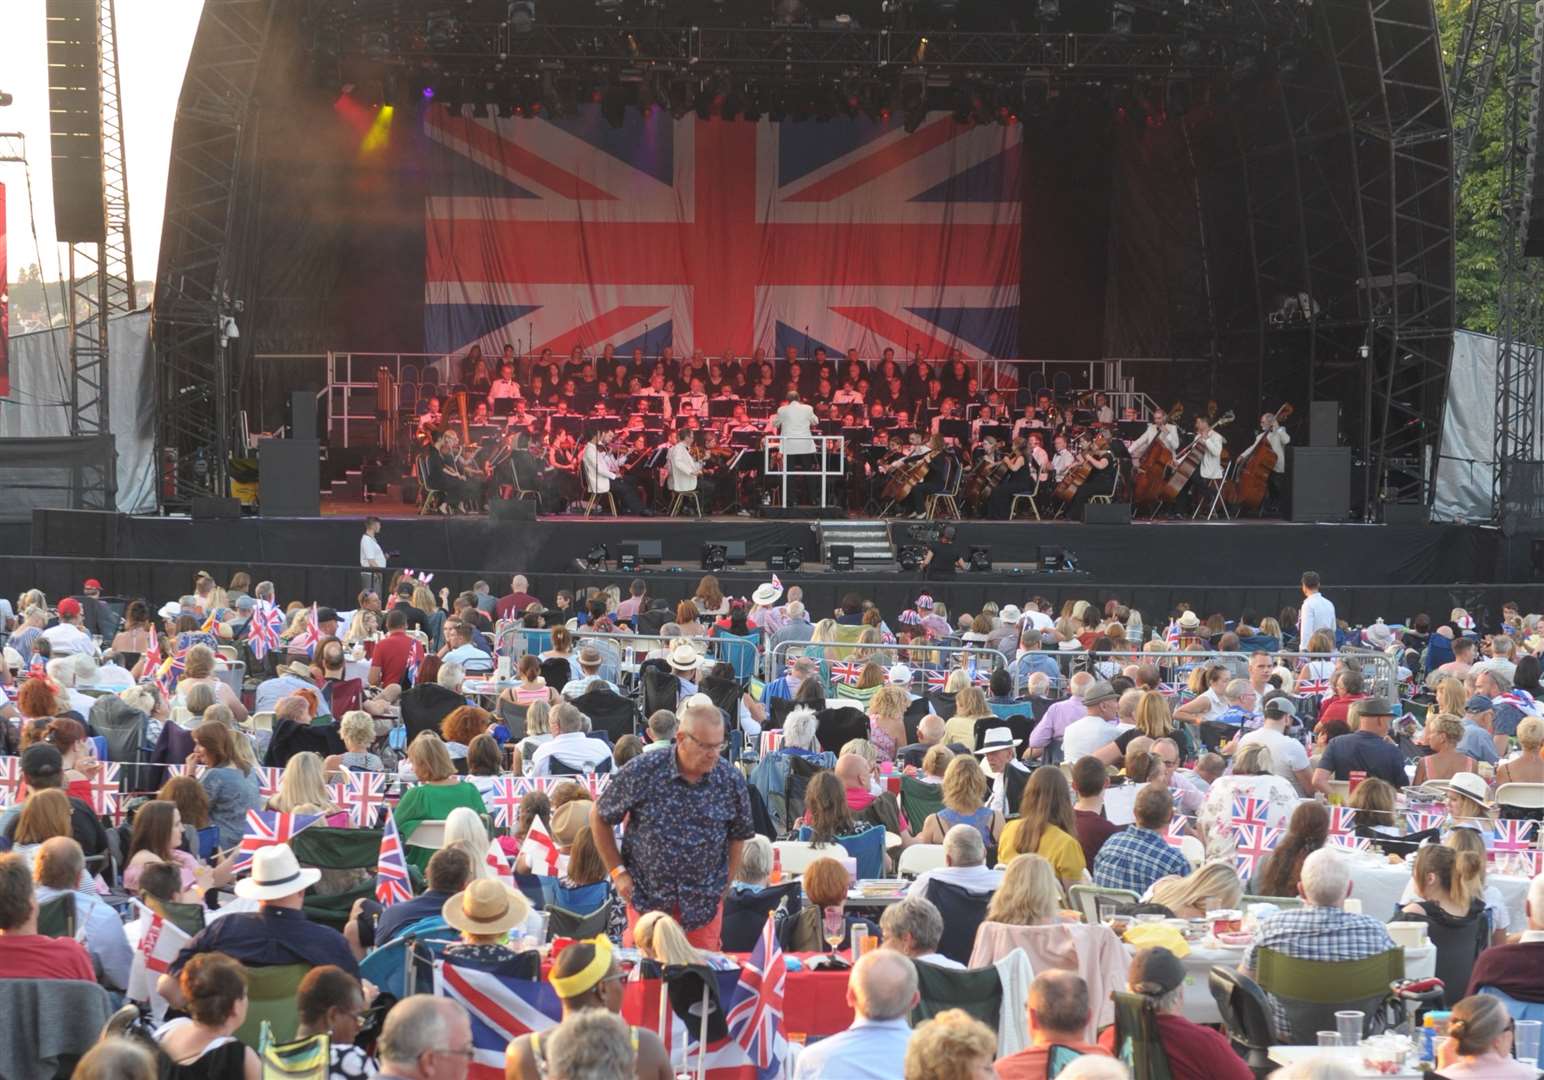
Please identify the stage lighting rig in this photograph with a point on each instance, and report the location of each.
(522, 16)
(595, 559)
(785, 560)
(911, 556)
(1121, 15)
(1049, 9)
(980, 559)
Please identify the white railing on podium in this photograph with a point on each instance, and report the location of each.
(823, 445)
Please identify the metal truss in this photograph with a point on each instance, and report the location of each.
(196, 284)
(1474, 65)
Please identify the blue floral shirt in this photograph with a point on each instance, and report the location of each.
(676, 842)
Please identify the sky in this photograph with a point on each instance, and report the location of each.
(154, 37)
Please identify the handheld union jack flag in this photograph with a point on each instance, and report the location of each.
(756, 1018)
(105, 792)
(1522, 699)
(306, 641)
(1422, 820)
(13, 783)
(1510, 836)
(268, 827)
(1248, 810)
(1171, 635)
(1252, 843)
(171, 672)
(1342, 821)
(152, 657)
(392, 883)
(415, 659)
(269, 777)
(502, 1009)
(263, 630)
(363, 795)
(846, 671)
(1311, 687)
(503, 802)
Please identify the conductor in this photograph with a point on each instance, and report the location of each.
(795, 420)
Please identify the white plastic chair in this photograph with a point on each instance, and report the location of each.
(1193, 850)
(1520, 794)
(429, 834)
(262, 721)
(920, 858)
(794, 855)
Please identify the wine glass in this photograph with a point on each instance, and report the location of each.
(834, 920)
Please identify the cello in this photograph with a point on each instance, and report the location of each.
(1188, 461)
(1147, 480)
(1076, 476)
(907, 476)
(1249, 488)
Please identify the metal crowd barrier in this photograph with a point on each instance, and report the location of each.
(924, 660)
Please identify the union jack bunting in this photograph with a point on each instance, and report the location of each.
(1522, 699)
(1348, 841)
(503, 802)
(392, 883)
(269, 777)
(263, 630)
(1175, 834)
(1420, 821)
(1342, 821)
(268, 827)
(756, 1017)
(1247, 810)
(105, 791)
(363, 795)
(13, 783)
(186, 770)
(1509, 836)
(1530, 863)
(1252, 843)
(937, 680)
(541, 851)
(1308, 687)
(502, 1009)
(846, 671)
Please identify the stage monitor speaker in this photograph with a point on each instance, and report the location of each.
(75, 120)
(1324, 424)
(1110, 513)
(289, 477)
(215, 508)
(512, 509)
(1321, 483)
(734, 551)
(841, 557)
(302, 423)
(644, 552)
(1406, 514)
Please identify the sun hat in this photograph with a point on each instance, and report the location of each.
(486, 906)
(276, 873)
(1189, 620)
(569, 820)
(684, 658)
(767, 593)
(169, 610)
(1099, 691)
(1378, 635)
(1010, 615)
(297, 669)
(997, 738)
(1472, 787)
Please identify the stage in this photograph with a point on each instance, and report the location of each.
(1395, 571)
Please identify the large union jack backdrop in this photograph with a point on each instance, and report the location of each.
(721, 235)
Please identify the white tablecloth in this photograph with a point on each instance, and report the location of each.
(357, 669)
(1287, 1055)
(1202, 1008)
(1380, 885)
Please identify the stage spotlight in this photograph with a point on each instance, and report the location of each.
(841, 557)
(911, 556)
(594, 559)
(980, 559)
(1049, 9)
(714, 558)
(522, 15)
(785, 560)
(1121, 15)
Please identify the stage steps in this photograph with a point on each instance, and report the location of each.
(870, 541)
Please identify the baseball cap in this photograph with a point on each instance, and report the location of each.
(1155, 971)
(42, 760)
(326, 614)
(92, 583)
(69, 607)
(1280, 705)
(1479, 703)
(245, 603)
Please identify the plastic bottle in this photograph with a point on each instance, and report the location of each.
(776, 877)
(1433, 1030)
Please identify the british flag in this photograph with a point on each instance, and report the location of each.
(263, 631)
(1171, 635)
(503, 802)
(152, 657)
(269, 777)
(392, 883)
(1422, 820)
(1522, 700)
(1252, 843)
(171, 672)
(502, 1010)
(756, 1019)
(268, 827)
(565, 232)
(105, 792)
(1311, 687)
(937, 680)
(846, 671)
(1342, 821)
(306, 641)
(363, 796)
(1509, 836)
(13, 784)
(415, 659)
(1175, 834)
(1248, 810)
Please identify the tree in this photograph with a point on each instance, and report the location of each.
(31, 274)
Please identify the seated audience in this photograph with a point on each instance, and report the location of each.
(1028, 896)
(331, 1002)
(915, 926)
(1194, 1052)
(1211, 886)
(1307, 832)
(825, 883)
(24, 953)
(438, 791)
(202, 1045)
(1449, 903)
(42, 767)
(420, 1035)
(1089, 780)
(951, 1046)
(485, 912)
(1514, 969)
(1138, 855)
(964, 793)
(1059, 1012)
(571, 746)
(964, 864)
(1046, 826)
(882, 990)
(1479, 1043)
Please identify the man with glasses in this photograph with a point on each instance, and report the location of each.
(426, 1038)
(688, 815)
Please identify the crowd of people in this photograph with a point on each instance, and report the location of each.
(543, 770)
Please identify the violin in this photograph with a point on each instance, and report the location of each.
(1248, 489)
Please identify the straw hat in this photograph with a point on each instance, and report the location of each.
(767, 594)
(1189, 620)
(297, 669)
(486, 906)
(1472, 787)
(684, 658)
(997, 738)
(569, 820)
(276, 873)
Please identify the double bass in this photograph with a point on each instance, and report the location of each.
(1148, 477)
(1249, 488)
(1188, 462)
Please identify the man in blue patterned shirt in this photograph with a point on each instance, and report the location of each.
(687, 814)
(1137, 856)
(1323, 930)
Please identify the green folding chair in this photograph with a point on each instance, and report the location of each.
(1096, 902)
(189, 918)
(341, 849)
(570, 924)
(271, 1003)
(56, 917)
(919, 800)
(1310, 992)
(1136, 1037)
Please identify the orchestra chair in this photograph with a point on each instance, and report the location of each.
(520, 494)
(680, 500)
(429, 498)
(592, 499)
(946, 498)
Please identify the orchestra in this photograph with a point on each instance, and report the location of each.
(645, 431)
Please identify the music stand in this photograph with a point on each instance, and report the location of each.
(999, 432)
(721, 408)
(572, 425)
(504, 406)
(955, 429)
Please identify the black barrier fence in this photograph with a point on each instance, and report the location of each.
(161, 579)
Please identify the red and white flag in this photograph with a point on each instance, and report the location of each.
(541, 851)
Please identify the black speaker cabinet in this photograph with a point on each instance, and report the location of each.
(734, 550)
(289, 477)
(1110, 513)
(216, 509)
(302, 414)
(1324, 424)
(1321, 483)
(512, 509)
(646, 552)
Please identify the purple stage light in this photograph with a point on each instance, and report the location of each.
(428, 92)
